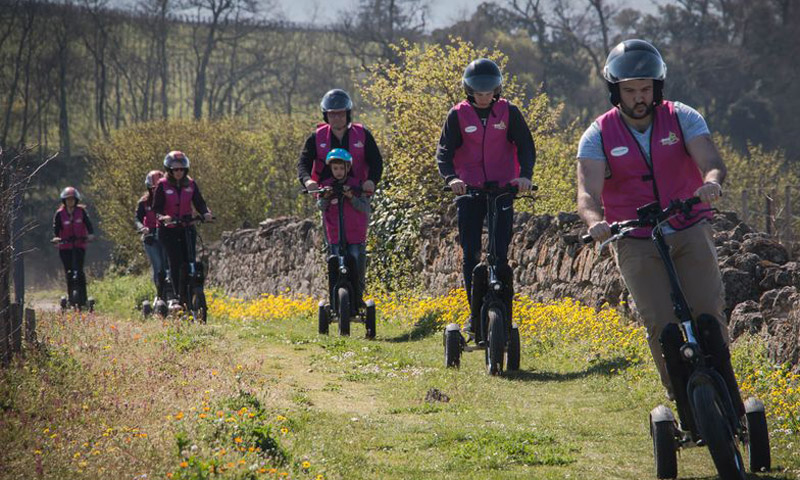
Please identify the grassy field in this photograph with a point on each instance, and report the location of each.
(111, 395)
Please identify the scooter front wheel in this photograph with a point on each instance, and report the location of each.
(344, 311)
(496, 342)
(716, 431)
(199, 308)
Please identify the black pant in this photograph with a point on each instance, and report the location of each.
(174, 241)
(471, 215)
(67, 257)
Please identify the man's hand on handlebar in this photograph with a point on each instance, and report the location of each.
(600, 231)
(55, 240)
(207, 217)
(90, 237)
(522, 183)
(457, 186)
(709, 192)
(368, 187)
(311, 185)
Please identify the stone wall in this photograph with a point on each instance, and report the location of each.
(762, 284)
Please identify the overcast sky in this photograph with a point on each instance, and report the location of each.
(442, 12)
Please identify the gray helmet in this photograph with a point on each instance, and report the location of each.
(634, 60)
(70, 192)
(176, 159)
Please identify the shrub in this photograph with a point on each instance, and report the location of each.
(245, 172)
(415, 95)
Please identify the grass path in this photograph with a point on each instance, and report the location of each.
(351, 408)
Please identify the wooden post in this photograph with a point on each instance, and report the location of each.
(768, 213)
(16, 328)
(745, 206)
(5, 331)
(788, 228)
(30, 326)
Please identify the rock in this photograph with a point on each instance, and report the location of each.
(766, 248)
(436, 395)
(739, 286)
(745, 318)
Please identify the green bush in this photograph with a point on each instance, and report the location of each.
(246, 172)
(414, 96)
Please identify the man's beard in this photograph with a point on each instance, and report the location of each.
(630, 111)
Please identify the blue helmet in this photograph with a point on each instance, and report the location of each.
(339, 154)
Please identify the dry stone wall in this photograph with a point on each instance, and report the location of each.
(762, 283)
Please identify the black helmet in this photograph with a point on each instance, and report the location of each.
(482, 75)
(336, 99)
(634, 60)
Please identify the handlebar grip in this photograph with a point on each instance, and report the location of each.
(586, 239)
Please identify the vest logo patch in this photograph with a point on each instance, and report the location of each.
(67, 222)
(189, 190)
(471, 129)
(358, 144)
(323, 145)
(170, 191)
(619, 151)
(500, 126)
(672, 139)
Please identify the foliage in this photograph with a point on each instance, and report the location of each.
(415, 95)
(234, 439)
(755, 175)
(245, 172)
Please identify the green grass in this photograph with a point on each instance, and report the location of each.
(350, 407)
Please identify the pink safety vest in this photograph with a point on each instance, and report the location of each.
(72, 226)
(355, 222)
(485, 155)
(175, 205)
(356, 140)
(150, 220)
(634, 183)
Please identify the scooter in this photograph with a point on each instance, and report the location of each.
(75, 295)
(164, 288)
(192, 273)
(344, 306)
(492, 295)
(698, 364)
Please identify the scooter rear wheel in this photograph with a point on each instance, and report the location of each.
(370, 320)
(452, 348)
(758, 441)
(496, 342)
(147, 309)
(716, 432)
(344, 311)
(514, 350)
(664, 449)
(323, 319)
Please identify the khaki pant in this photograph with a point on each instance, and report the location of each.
(695, 258)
